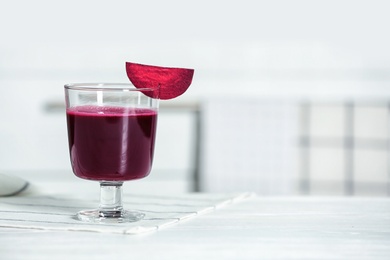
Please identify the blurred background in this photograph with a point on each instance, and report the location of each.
(288, 97)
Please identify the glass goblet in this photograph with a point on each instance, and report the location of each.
(111, 135)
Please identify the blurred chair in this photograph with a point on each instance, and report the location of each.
(279, 147)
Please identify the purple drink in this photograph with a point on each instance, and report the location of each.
(111, 143)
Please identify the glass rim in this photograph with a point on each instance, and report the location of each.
(105, 86)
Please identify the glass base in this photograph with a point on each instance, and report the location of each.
(98, 216)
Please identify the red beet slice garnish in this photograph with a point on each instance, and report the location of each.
(167, 82)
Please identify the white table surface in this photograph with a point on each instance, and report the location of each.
(257, 228)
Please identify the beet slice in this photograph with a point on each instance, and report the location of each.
(167, 82)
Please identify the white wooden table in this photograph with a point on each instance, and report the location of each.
(258, 228)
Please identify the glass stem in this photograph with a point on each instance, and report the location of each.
(110, 199)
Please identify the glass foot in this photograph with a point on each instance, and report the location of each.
(98, 216)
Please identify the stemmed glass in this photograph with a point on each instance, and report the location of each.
(111, 135)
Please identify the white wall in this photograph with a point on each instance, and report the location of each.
(265, 47)
(293, 49)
